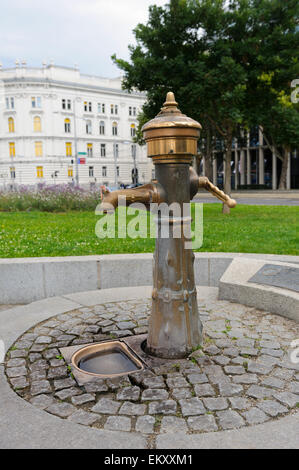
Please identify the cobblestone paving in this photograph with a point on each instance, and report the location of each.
(241, 376)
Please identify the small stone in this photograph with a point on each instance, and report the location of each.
(43, 340)
(84, 398)
(215, 404)
(230, 419)
(120, 333)
(231, 352)
(19, 383)
(177, 382)
(42, 364)
(261, 369)
(64, 383)
(197, 378)
(118, 423)
(18, 353)
(154, 394)
(106, 406)
(273, 382)
(39, 387)
(287, 398)
(205, 423)
(98, 385)
(67, 393)
(16, 371)
(34, 357)
(270, 344)
(204, 390)
(283, 374)
(221, 360)
(63, 410)
(180, 393)
(294, 388)
(256, 391)
(249, 352)
(245, 343)
(50, 353)
(129, 393)
(192, 407)
(272, 408)
(58, 372)
(83, 417)
(229, 390)
(145, 424)
(166, 407)
(272, 352)
(239, 403)
(234, 370)
(153, 382)
(245, 379)
(126, 325)
(42, 401)
(38, 375)
(173, 424)
(17, 362)
(255, 416)
(212, 350)
(133, 409)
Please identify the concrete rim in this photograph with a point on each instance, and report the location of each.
(24, 426)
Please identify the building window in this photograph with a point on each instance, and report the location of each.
(113, 109)
(66, 104)
(39, 172)
(12, 149)
(115, 147)
(10, 103)
(38, 149)
(101, 108)
(11, 125)
(104, 171)
(88, 127)
(132, 111)
(102, 128)
(37, 124)
(89, 150)
(69, 104)
(91, 172)
(70, 172)
(63, 104)
(103, 150)
(117, 171)
(68, 149)
(87, 106)
(36, 102)
(114, 128)
(133, 130)
(67, 126)
(12, 172)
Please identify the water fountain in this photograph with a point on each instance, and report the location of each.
(175, 328)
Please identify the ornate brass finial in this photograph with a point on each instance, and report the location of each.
(170, 105)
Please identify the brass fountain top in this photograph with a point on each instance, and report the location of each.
(170, 116)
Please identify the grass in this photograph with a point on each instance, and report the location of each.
(248, 229)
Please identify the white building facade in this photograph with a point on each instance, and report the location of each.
(60, 126)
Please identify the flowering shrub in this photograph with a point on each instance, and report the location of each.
(54, 198)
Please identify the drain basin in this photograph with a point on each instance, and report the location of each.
(109, 359)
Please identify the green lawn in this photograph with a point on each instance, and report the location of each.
(248, 229)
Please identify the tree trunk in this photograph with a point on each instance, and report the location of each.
(227, 173)
(209, 156)
(284, 170)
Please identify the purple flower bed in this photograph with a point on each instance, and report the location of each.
(52, 198)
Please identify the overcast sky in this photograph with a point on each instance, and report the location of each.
(83, 32)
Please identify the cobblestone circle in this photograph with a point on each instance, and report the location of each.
(241, 376)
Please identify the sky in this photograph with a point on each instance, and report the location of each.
(69, 32)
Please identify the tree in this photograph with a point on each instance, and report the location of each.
(211, 53)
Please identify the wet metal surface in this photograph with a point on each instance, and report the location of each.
(278, 276)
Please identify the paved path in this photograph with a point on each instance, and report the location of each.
(268, 198)
(243, 381)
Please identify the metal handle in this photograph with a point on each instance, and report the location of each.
(204, 182)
